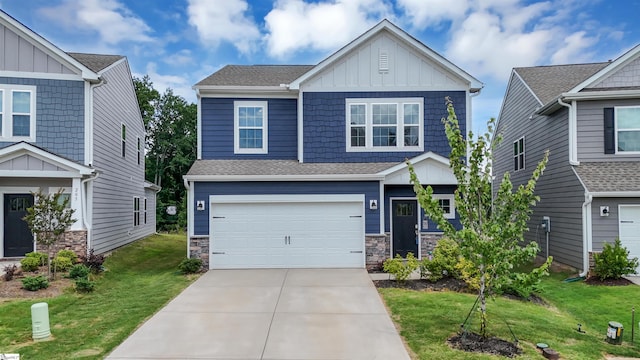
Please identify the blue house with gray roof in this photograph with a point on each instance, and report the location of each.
(303, 165)
(70, 121)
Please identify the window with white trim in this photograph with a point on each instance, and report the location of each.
(518, 154)
(250, 127)
(377, 124)
(139, 150)
(123, 148)
(627, 129)
(145, 211)
(447, 204)
(136, 211)
(17, 113)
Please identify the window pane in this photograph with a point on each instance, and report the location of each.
(250, 116)
(384, 136)
(628, 140)
(358, 136)
(22, 102)
(1, 97)
(411, 135)
(357, 114)
(445, 204)
(21, 125)
(384, 113)
(628, 118)
(250, 139)
(411, 113)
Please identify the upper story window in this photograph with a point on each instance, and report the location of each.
(136, 211)
(627, 129)
(17, 113)
(123, 148)
(518, 154)
(139, 150)
(385, 124)
(250, 127)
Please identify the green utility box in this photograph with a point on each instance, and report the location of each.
(614, 333)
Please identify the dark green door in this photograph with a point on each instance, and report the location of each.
(404, 221)
(18, 239)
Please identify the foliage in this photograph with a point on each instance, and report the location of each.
(93, 261)
(614, 262)
(42, 257)
(524, 284)
(79, 271)
(83, 284)
(10, 271)
(170, 123)
(48, 219)
(491, 238)
(61, 263)
(446, 257)
(69, 254)
(190, 266)
(35, 283)
(30, 264)
(400, 268)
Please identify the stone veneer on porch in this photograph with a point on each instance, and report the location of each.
(75, 240)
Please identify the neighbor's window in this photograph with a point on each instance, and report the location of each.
(139, 150)
(447, 205)
(627, 128)
(518, 154)
(136, 211)
(124, 140)
(17, 113)
(250, 127)
(385, 124)
(145, 211)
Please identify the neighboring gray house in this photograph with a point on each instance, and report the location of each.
(70, 121)
(588, 116)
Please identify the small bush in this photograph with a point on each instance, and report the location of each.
(93, 262)
(30, 264)
(69, 254)
(400, 268)
(10, 271)
(469, 273)
(85, 285)
(525, 284)
(613, 262)
(79, 271)
(190, 266)
(42, 257)
(61, 263)
(446, 257)
(35, 283)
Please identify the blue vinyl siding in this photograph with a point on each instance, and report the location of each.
(325, 125)
(59, 115)
(370, 189)
(406, 191)
(217, 129)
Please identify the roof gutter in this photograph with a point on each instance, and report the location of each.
(258, 178)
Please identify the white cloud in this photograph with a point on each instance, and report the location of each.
(295, 25)
(112, 20)
(224, 21)
(430, 13)
(179, 84)
(180, 58)
(573, 49)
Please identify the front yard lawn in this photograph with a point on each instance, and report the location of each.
(140, 279)
(427, 319)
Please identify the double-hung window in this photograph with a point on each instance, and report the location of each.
(627, 125)
(518, 154)
(17, 113)
(385, 124)
(136, 211)
(250, 127)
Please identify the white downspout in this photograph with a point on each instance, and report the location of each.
(573, 131)
(189, 214)
(586, 232)
(85, 201)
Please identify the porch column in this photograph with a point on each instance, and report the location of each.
(76, 204)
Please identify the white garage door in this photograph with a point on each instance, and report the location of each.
(629, 219)
(286, 231)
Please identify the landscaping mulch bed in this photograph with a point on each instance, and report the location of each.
(594, 280)
(472, 342)
(440, 285)
(12, 289)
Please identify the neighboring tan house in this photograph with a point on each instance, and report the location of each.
(70, 121)
(588, 116)
(303, 165)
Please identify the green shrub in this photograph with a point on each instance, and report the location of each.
(61, 263)
(10, 271)
(400, 268)
(93, 262)
(190, 266)
(29, 264)
(85, 285)
(525, 284)
(79, 271)
(613, 262)
(35, 283)
(446, 257)
(42, 257)
(69, 254)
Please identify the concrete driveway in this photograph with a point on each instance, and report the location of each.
(274, 314)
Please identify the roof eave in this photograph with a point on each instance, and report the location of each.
(315, 177)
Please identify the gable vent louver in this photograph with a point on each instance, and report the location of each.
(383, 61)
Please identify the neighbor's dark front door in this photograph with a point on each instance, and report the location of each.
(404, 220)
(18, 239)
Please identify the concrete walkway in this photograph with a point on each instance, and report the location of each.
(277, 314)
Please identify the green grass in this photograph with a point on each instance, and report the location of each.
(140, 279)
(427, 319)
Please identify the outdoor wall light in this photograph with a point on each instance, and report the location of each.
(200, 205)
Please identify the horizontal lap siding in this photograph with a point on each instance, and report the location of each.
(202, 190)
(325, 125)
(606, 228)
(217, 129)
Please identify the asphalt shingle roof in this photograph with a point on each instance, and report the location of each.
(95, 62)
(255, 75)
(548, 82)
(610, 176)
(283, 167)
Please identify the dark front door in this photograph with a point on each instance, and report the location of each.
(404, 221)
(18, 239)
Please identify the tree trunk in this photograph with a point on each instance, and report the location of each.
(483, 303)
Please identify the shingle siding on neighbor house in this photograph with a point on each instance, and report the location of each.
(218, 129)
(59, 115)
(325, 125)
(560, 191)
(202, 190)
(591, 130)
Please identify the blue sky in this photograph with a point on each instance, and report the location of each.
(179, 42)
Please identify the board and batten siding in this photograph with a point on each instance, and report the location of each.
(591, 130)
(217, 129)
(560, 191)
(121, 179)
(606, 228)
